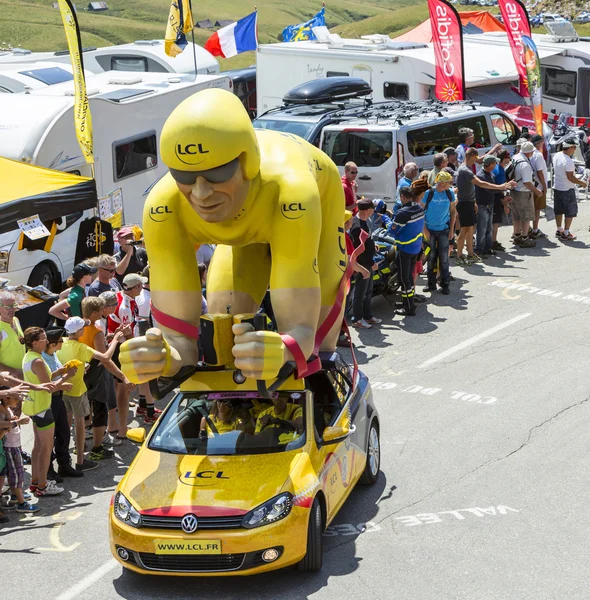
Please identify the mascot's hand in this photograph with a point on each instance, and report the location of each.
(259, 354)
(148, 357)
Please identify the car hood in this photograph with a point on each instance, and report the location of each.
(176, 484)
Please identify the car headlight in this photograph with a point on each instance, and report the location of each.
(272, 510)
(125, 511)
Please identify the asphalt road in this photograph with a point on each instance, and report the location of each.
(483, 492)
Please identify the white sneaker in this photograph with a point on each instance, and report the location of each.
(362, 324)
(50, 490)
(374, 321)
(109, 440)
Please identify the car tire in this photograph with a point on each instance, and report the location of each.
(371, 472)
(44, 274)
(312, 561)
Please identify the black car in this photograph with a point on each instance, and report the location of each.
(309, 107)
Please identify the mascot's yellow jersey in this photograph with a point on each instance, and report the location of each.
(294, 206)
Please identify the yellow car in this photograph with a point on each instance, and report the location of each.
(228, 483)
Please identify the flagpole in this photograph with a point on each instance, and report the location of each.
(190, 5)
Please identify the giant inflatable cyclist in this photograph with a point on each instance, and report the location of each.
(274, 204)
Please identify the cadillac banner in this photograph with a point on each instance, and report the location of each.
(447, 38)
(516, 21)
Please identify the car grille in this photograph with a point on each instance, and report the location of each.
(154, 522)
(190, 563)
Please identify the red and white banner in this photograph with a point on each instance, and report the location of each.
(516, 21)
(447, 40)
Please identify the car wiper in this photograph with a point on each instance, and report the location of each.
(168, 450)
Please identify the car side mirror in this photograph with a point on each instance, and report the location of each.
(333, 435)
(137, 435)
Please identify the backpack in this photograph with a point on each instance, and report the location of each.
(510, 170)
(430, 195)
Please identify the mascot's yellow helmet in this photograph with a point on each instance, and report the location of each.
(207, 131)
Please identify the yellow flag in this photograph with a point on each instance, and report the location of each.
(180, 22)
(82, 118)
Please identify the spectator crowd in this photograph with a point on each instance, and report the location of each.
(66, 380)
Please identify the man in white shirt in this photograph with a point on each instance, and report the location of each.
(540, 168)
(523, 205)
(564, 189)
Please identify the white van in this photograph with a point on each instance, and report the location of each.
(388, 135)
(128, 113)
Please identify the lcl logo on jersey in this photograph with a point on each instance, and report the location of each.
(292, 210)
(158, 214)
(190, 154)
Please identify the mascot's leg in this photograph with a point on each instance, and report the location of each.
(332, 262)
(238, 277)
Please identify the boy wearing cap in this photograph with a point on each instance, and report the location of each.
(564, 189)
(485, 198)
(540, 168)
(130, 258)
(76, 399)
(439, 213)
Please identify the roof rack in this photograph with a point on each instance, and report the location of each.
(401, 111)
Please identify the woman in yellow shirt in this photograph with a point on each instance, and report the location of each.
(38, 407)
(225, 416)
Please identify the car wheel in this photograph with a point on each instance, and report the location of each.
(44, 274)
(312, 561)
(371, 472)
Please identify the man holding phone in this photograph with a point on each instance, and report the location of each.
(130, 258)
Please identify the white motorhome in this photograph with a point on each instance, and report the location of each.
(565, 66)
(142, 56)
(16, 78)
(395, 70)
(128, 113)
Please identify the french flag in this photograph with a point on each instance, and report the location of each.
(234, 39)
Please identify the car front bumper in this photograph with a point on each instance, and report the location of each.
(241, 550)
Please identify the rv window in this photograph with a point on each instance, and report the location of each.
(480, 130)
(135, 155)
(129, 63)
(431, 139)
(365, 148)
(559, 83)
(337, 74)
(397, 91)
(504, 129)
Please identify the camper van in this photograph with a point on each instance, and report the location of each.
(140, 56)
(565, 66)
(395, 70)
(128, 113)
(386, 136)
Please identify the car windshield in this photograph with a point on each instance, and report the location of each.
(301, 128)
(231, 423)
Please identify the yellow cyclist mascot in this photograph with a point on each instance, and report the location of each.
(274, 204)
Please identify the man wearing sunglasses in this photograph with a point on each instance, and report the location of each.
(274, 205)
(105, 281)
(350, 186)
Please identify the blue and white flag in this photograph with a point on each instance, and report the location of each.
(303, 31)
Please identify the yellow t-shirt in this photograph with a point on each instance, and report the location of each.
(73, 349)
(12, 351)
(292, 412)
(224, 427)
(36, 401)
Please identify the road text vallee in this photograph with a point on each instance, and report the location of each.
(530, 289)
(429, 518)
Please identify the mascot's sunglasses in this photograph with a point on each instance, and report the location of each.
(218, 175)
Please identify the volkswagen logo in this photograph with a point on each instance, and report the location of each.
(189, 523)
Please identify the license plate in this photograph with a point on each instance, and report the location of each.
(187, 546)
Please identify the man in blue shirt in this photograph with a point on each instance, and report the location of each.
(408, 227)
(439, 212)
(411, 171)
